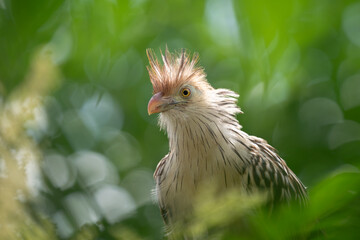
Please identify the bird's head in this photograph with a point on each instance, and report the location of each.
(178, 84)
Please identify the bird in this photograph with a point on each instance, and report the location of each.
(207, 146)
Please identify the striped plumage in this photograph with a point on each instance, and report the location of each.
(206, 143)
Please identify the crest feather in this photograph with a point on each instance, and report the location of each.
(176, 70)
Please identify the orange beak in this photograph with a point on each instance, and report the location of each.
(156, 103)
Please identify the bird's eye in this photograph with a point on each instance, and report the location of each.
(185, 92)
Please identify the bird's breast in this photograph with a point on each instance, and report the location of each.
(186, 175)
(203, 155)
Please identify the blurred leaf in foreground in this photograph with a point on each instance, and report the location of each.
(20, 155)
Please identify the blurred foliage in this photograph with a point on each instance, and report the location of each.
(77, 149)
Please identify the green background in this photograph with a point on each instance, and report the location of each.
(74, 90)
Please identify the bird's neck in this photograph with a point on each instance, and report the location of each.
(198, 135)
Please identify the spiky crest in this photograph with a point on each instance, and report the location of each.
(176, 70)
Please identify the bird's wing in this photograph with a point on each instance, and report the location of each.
(269, 171)
(158, 175)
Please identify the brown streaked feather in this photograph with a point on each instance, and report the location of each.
(273, 167)
(158, 175)
(176, 70)
(160, 167)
